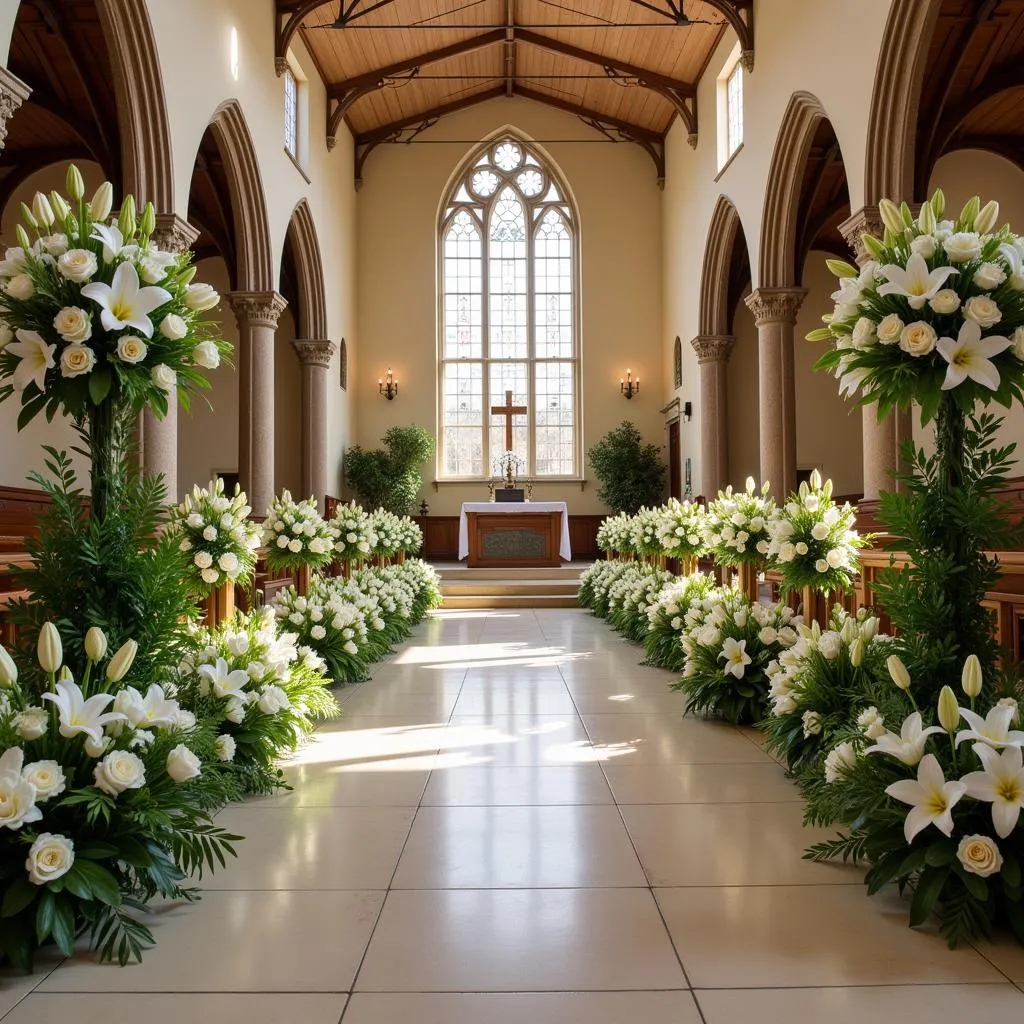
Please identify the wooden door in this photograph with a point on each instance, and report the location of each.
(675, 468)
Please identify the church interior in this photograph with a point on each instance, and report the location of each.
(495, 231)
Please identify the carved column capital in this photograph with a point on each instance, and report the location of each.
(314, 351)
(866, 221)
(775, 305)
(13, 92)
(257, 309)
(174, 233)
(747, 60)
(713, 348)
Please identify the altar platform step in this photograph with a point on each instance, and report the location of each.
(509, 588)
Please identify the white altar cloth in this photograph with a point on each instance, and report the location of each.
(564, 550)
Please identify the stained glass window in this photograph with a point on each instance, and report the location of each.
(508, 316)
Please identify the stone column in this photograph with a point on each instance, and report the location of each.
(713, 352)
(257, 314)
(315, 357)
(159, 445)
(775, 311)
(13, 92)
(880, 440)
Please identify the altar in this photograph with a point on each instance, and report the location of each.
(514, 534)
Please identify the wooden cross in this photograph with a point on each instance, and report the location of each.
(508, 410)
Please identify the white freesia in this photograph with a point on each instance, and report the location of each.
(36, 357)
(838, 761)
(123, 303)
(112, 238)
(931, 798)
(917, 283)
(970, 356)
(50, 857)
(81, 715)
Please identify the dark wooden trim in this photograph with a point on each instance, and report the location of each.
(479, 524)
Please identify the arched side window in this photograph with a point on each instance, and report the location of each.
(509, 316)
(677, 363)
(344, 365)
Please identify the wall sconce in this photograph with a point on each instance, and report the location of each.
(687, 411)
(388, 387)
(628, 386)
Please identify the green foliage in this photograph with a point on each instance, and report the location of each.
(389, 477)
(631, 473)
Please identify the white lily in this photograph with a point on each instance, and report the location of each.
(17, 794)
(970, 355)
(931, 798)
(81, 715)
(908, 747)
(736, 658)
(1015, 261)
(993, 729)
(1000, 784)
(915, 282)
(223, 682)
(112, 239)
(36, 357)
(157, 710)
(124, 303)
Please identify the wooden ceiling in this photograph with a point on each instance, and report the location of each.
(628, 67)
(973, 92)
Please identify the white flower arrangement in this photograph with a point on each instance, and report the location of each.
(615, 535)
(354, 535)
(682, 530)
(666, 619)
(216, 536)
(410, 536)
(630, 596)
(646, 527)
(813, 540)
(296, 535)
(737, 525)
(387, 528)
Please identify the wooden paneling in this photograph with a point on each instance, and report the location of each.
(583, 537)
(440, 537)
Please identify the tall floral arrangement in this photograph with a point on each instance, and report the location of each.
(682, 529)
(296, 535)
(666, 617)
(97, 322)
(354, 536)
(646, 526)
(216, 535)
(737, 525)
(630, 596)
(615, 535)
(387, 527)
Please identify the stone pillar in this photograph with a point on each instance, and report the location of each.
(315, 357)
(713, 352)
(880, 440)
(775, 311)
(257, 314)
(159, 445)
(13, 92)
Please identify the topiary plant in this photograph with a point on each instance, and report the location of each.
(389, 477)
(631, 473)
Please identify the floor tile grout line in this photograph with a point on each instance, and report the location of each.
(32, 991)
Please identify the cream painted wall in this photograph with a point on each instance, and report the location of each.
(619, 208)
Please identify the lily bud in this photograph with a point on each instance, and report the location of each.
(820, 334)
(8, 670)
(891, 216)
(102, 202)
(841, 268)
(126, 221)
(907, 214)
(42, 209)
(874, 246)
(29, 217)
(987, 217)
(75, 183)
(850, 631)
(49, 650)
(23, 240)
(927, 220)
(949, 709)
(938, 202)
(969, 214)
(971, 677)
(64, 675)
(95, 644)
(60, 206)
(121, 662)
(803, 490)
(185, 277)
(869, 627)
(815, 480)
(148, 223)
(898, 671)
(857, 652)
(750, 485)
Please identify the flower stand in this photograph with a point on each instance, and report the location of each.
(219, 605)
(302, 580)
(748, 580)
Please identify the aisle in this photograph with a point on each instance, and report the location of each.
(512, 806)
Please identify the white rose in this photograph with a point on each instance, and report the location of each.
(318, 632)
(202, 559)
(979, 855)
(55, 245)
(295, 545)
(131, 349)
(834, 558)
(210, 533)
(21, 287)
(209, 575)
(77, 265)
(207, 355)
(182, 764)
(962, 246)
(889, 329)
(228, 562)
(46, 776)
(225, 747)
(234, 710)
(925, 245)
(821, 565)
(49, 857)
(989, 276)
(273, 699)
(945, 302)
(164, 377)
(768, 635)
(73, 325)
(864, 333)
(983, 311)
(118, 771)
(32, 723)
(282, 541)
(801, 548)
(830, 644)
(76, 360)
(812, 724)
(173, 327)
(918, 338)
(201, 297)
(195, 520)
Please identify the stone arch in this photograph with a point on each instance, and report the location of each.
(777, 261)
(715, 314)
(147, 165)
(253, 263)
(309, 269)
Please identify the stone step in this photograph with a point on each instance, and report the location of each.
(510, 601)
(518, 588)
(461, 573)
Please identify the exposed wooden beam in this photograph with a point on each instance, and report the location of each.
(1010, 147)
(510, 47)
(733, 10)
(288, 16)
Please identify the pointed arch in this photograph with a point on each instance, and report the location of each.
(254, 266)
(312, 308)
(147, 165)
(724, 232)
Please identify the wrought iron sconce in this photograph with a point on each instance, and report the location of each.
(388, 387)
(628, 386)
(687, 411)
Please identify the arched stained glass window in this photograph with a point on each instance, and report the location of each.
(509, 321)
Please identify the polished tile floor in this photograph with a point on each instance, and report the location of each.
(513, 823)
